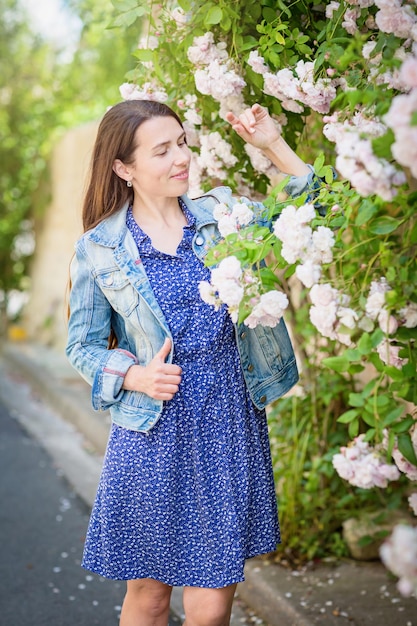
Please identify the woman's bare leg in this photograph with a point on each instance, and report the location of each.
(146, 603)
(208, 607)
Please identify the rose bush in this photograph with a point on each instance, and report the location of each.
(340, 79)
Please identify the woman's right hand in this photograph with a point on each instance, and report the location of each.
(158, 379)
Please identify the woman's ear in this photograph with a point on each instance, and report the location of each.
(121, 170)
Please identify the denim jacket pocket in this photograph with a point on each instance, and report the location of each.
(118, 290)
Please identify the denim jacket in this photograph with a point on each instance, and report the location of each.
(110, 289)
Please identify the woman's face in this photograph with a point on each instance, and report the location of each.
(161, 159)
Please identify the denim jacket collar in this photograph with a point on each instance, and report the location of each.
(112, 231)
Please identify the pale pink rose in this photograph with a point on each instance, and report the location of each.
(259, 161)
(207, 293)
(179, 16)
(257, 62)
(399, 554)
(412, 501)
(220, 210)
(324, 319)
(269, 310)
(323, 242)
(331, 8)
(230, 292)
(227, 225)
(349, 20)
(305, 213)
(367, 50)
(389, 354)
(347, 317)
(323, 295)
(409, 315)
(242, 213)
(308, 273)
(228, 268)
(387, 322)
(398, 20)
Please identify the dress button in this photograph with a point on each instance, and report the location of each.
(243, 335)
(250, 368)
(199, 240)
(262, 399)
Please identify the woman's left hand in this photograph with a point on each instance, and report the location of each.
(255, 126)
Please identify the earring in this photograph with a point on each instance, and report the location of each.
(129, 183)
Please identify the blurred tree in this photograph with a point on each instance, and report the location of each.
(42, 93)
(26, 116)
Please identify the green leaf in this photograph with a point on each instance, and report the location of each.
(384, 225)
(356, 399)
(347, 417)
(336, 363)
(318, 163)
(405, 446)
(365, 344)
(382, 145)
(365, 213)
(214, 16)
(352, 354)
(404, 425)
(353, 429)
(143, 54)
(368, 419)
(376, 337)
(370, 434)
(392, 416)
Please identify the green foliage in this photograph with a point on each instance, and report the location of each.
(42, 94)
(26, 113)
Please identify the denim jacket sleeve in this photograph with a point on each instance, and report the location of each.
(88, 332)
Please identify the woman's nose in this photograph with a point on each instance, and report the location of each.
(182, 155)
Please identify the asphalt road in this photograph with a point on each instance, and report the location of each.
(42, 528)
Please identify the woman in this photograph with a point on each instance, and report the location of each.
(186, 492)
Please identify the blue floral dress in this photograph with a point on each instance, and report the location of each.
(188, 502)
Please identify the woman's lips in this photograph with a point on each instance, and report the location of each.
(181, 175)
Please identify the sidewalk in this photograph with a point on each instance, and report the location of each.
(330, 594)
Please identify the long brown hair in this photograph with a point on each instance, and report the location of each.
(106, 192)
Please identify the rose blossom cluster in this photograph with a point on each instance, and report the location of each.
(295, 89)
(215, 74)
(375, 306)
(356, 160)
(148, 91)
(301, 243)
(400, 118)
(396, 17)
(225, 287)
(231, 219)
(401, 462)
(330, 313)
(364, 466)
(376, 310)
(399, 554)
(412, 501)
(392, 77)
(180, 17)
(230, 283)
(268, 310)
(215, 154)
